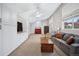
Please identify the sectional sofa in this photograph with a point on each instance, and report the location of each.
(70, 50)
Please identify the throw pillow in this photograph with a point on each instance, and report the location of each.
(66, 36)
(48, 35)
(59, 35)
(63, 35)
(70, 40)
(76, 39)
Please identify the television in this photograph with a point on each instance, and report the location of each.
(19, 27)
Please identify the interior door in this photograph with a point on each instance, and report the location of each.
(46, 29)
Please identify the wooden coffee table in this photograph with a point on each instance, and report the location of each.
(46, 45)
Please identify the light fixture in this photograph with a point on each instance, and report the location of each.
(38, 12)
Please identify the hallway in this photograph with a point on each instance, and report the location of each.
(31, 47)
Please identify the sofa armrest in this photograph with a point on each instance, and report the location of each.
(75, 45)
(74, 50)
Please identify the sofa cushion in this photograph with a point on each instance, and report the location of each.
(66, 36)
(76, 39)
(63, 35)
(70, 40)
(65, 47)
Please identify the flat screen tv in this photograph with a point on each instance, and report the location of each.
(19, 27)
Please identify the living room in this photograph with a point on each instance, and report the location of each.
(23, 27)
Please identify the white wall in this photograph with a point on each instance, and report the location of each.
(51, 24)
(57, 18)
(0, 10)
(8, 15)
(68, 8)
(0, 42)
(9, 27)
(10, 39)
(0, 34)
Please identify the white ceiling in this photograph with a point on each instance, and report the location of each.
(28, 10)
(46, 9)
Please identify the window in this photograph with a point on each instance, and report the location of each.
(71, 23)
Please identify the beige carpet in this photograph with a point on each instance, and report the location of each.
(31, 47)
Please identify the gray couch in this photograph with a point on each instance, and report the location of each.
(70, 50)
